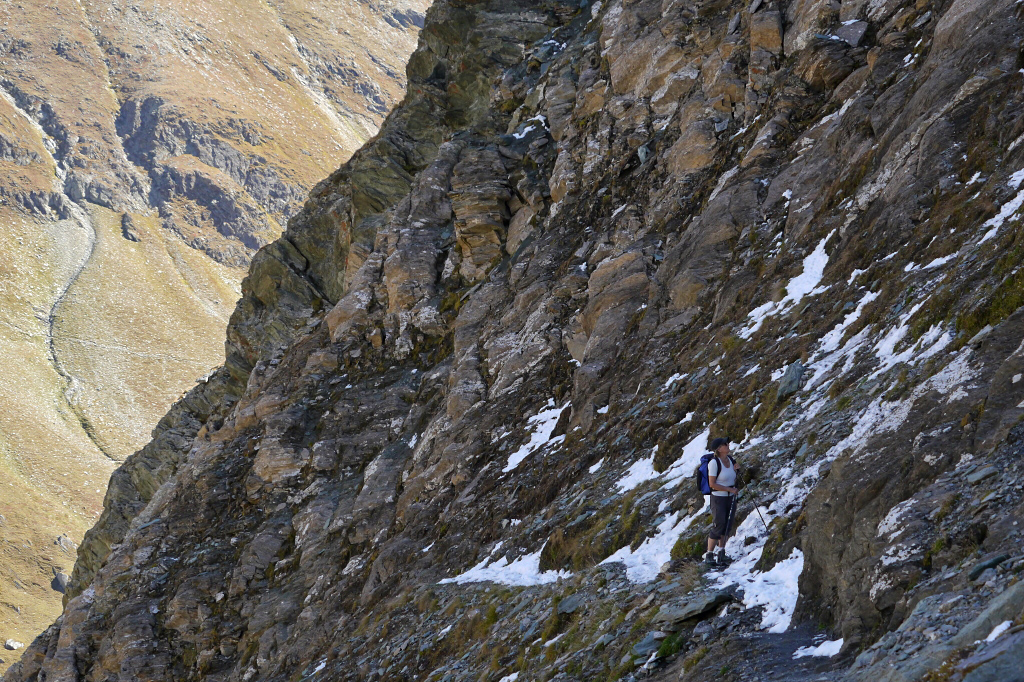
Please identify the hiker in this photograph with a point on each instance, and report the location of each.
(721, 478)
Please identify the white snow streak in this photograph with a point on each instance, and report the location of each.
(644, 564)
(541, 425)
(998, 630)
(804, 284)
(828, 353)
(642, 470)
(639, 472)
(1008, 209)
(522, 572)
(825, 649)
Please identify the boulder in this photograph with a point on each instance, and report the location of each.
(981, 474)
(852, 32)
(695, 607)
(649, 644)
(790, 382)
(983, 566)
(60, 582)
(570, 604)
(766, 32)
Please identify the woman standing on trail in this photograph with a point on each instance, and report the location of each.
(722, 481)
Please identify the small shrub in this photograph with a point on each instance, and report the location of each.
(691, 547)
(947, 507)
(671, 645)
(731, 343)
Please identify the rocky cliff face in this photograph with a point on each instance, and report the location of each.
(148, 149)
(466, 391)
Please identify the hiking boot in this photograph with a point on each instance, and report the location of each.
(709, 559)
(722, 560)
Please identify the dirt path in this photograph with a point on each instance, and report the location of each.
(758, 657)
(72, 385)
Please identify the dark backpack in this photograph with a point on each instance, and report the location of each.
(703, 484)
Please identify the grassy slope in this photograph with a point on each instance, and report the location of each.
(140, 321)
(51, 475)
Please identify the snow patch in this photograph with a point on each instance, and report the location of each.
(539, 118)
(898, 554)
(775, 590)
(892, 525)
(825, 649)
(726, 177)
(673, 379)
(998, 630)
(939, 262)
(522, 572)
(804, 284)
(828, 353)
(642, 470)
(643, 564)
(541, 425)
(639, 472)
(1008, 209)
(682, 468)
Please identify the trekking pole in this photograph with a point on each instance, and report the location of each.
(758, 510)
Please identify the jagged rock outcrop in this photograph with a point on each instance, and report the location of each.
(466, 391)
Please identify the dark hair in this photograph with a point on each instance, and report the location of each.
(717, 443)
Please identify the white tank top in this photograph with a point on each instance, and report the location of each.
(726, 478)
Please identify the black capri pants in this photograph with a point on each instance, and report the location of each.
(722, 509)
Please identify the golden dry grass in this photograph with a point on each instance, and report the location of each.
(142, 320)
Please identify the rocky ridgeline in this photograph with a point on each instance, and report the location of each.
(465, 393)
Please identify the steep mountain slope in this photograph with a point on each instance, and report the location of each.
(148, 149)
(465, 392)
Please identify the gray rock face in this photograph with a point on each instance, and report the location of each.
(981, 474)
(790, 381)
(455, 431)
(672, 614)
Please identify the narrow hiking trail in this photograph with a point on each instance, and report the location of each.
(72, 383)
(76, 256)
